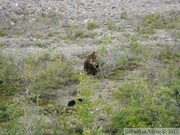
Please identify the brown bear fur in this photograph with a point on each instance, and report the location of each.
(91, 64)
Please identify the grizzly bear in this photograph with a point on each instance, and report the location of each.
(91, 64)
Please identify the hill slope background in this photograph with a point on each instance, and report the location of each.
(43, 45)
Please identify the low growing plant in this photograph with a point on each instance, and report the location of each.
(3, 32)
(158, 21)
(169, 54)
(146, 105)
(91, 25)
(23, 120)
(112, 26)
(124, 15)
(42, 73)
(82, 114)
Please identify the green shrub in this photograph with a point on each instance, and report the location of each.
(134, 45)
(85, 114)
(3, 32)
(124, 15)
(23, 120)
(106, 39)
(108, 61)
(8, 89)
(16, 33)
(158, 21)
(50, 34)
(82, 115)
(112, 26)
(43, 15)
(3, 113)
(42, 73)
(39, 44)
(93, 34)
(36, 71)
(78, 33)
(116, 58)
(1, 44)
(63, 36)
(8, 74)
(90, 34)
(169, 54)
(144, 105)
(91, 25)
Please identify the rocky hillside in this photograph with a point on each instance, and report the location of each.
(130, 37)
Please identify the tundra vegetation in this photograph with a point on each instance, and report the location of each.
(136, 85)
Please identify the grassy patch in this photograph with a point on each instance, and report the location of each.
(124, 15)
(169, 54)
(144, 105)
(43, 73)
(1, 44)
(91, 25)
(112, 26)
(50, 34)
(78, 33)
(7, 89)
(21, 119)
(177, 34)
(16, 32)
(105, 40)
(3, 32)
(41, 70)
(159, 21)
(63, 36)
(3, 113)
(134, 45)
(92, 34)
(82, 112)
(43, 15)
(7, 74)
(39, 44)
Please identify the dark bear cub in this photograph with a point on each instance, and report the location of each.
(1, 82)
(91, 64)
(73, 102)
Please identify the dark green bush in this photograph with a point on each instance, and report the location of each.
(91, 25)
(3, 113)
(7, 74)
(145, 105)
(169, 54)
(41, 72)
(36, 71)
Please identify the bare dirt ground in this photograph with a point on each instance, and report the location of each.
(37, 25)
